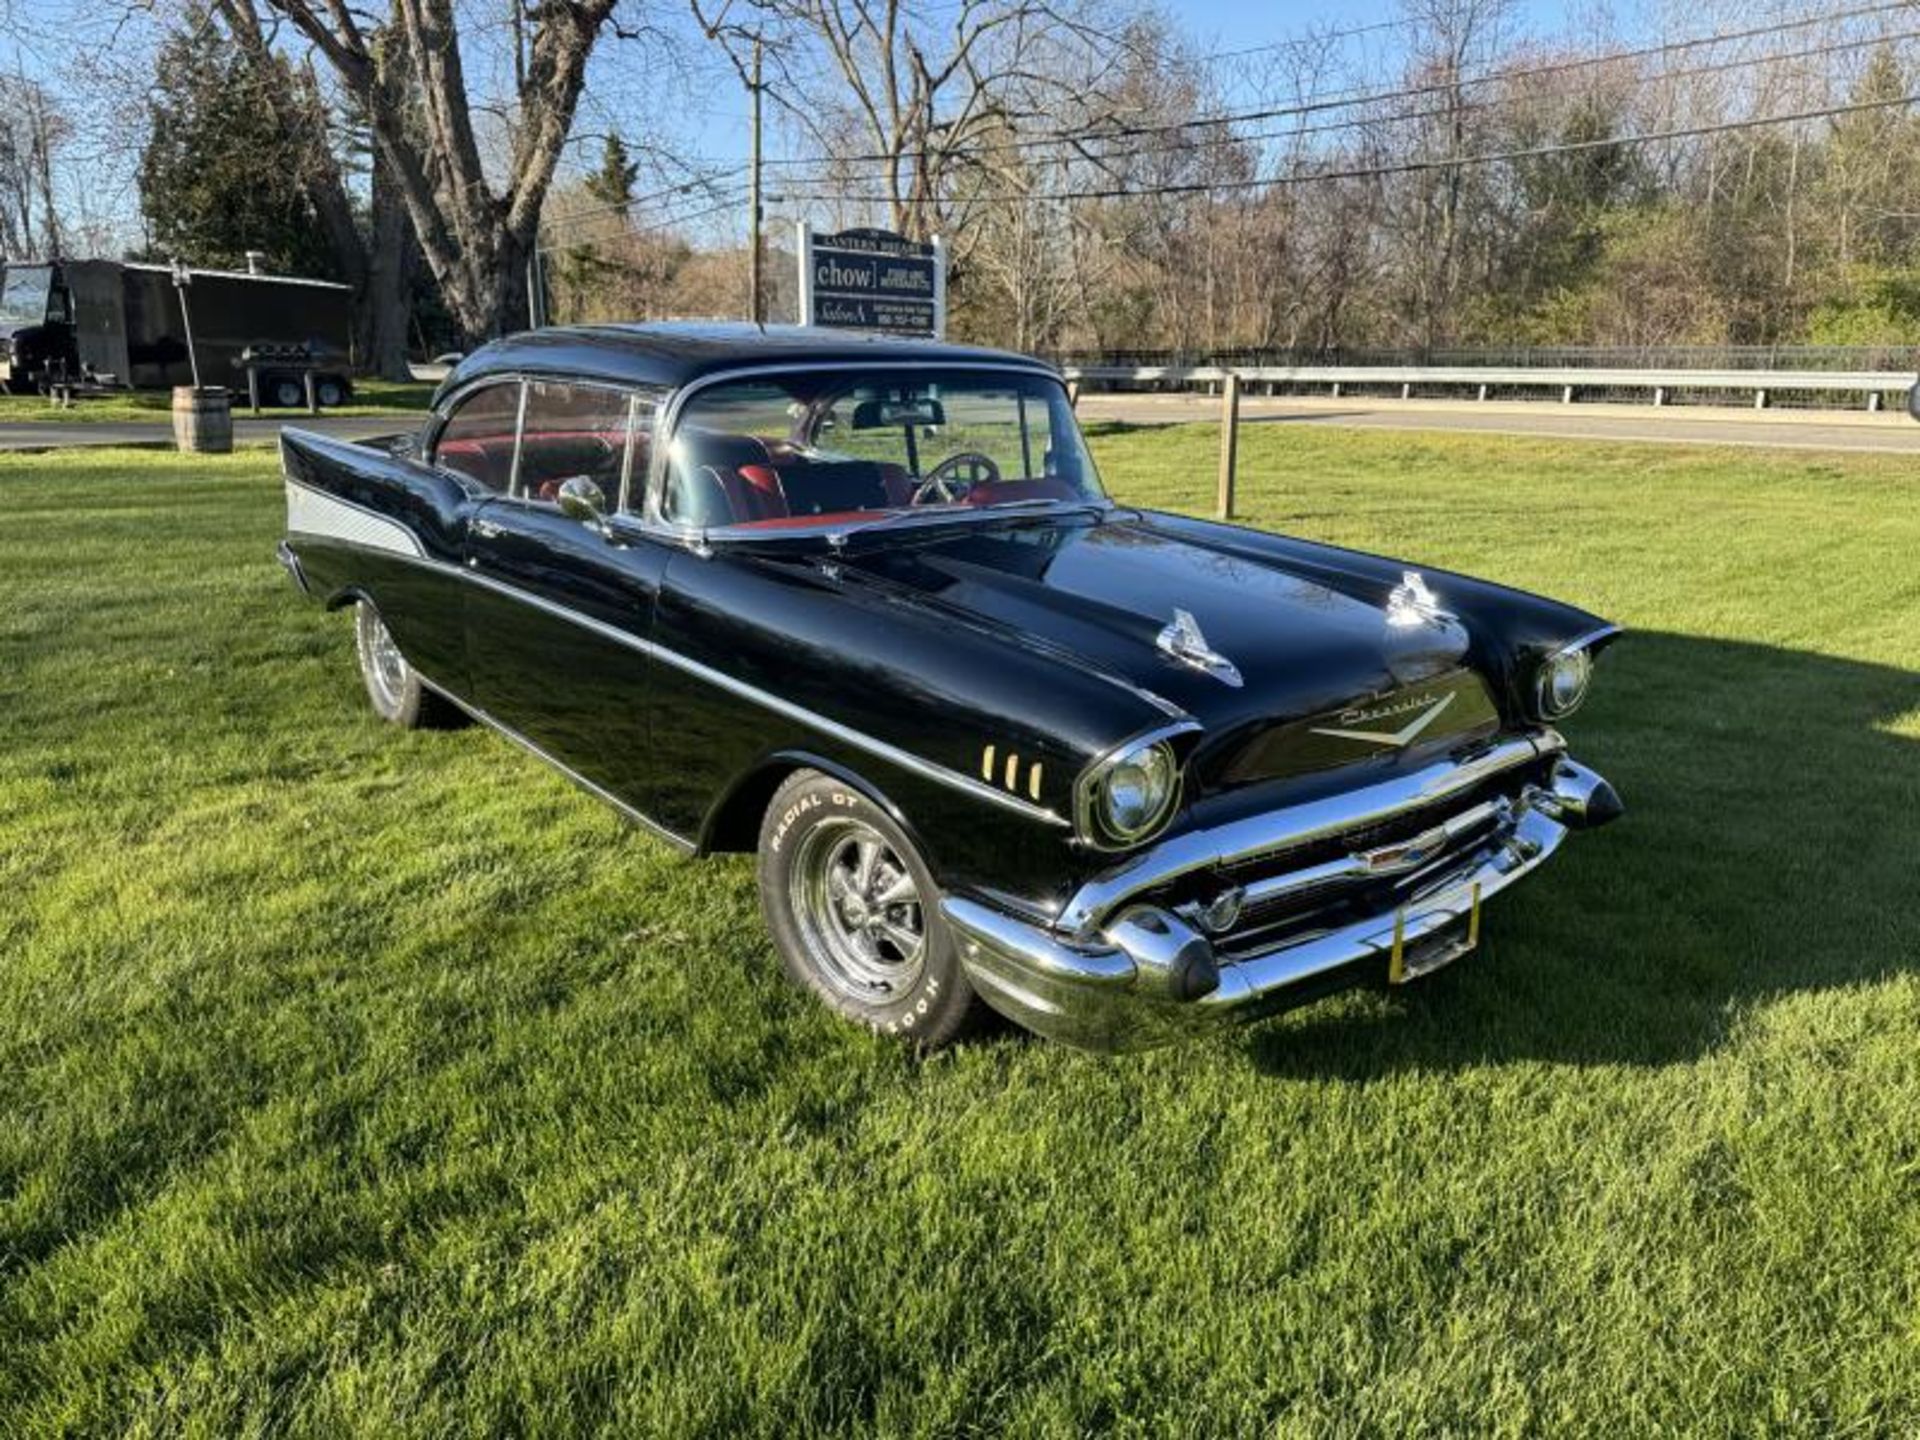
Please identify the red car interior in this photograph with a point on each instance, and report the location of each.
(729, 479)
(755, 484)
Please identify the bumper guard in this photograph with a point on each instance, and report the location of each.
(1130, 976)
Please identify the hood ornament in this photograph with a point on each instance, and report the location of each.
(1183, 641)
(1412, 603)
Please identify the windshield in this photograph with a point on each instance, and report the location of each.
(835, 447)
(23, 301)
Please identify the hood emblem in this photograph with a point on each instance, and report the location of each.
(1392, 739)
(1412, 603)
(1183, 640)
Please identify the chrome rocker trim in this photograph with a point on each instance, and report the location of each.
(1148, 977)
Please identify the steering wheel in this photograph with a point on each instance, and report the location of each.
(944, 485)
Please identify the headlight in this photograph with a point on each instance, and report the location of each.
(1562, 683)
(1131, 795)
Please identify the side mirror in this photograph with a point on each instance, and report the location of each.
(580, 499)
(1913, 400)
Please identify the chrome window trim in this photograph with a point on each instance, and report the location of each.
(519, 433)
(637, 394)
(696, 538)
(527, 381)
(443, 414)
(884, 750)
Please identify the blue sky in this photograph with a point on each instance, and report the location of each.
(715, 123)
(682, 98)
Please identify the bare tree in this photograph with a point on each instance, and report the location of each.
(405, 71)
(32, 128)
(913, 97)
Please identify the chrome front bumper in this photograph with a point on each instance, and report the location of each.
(1116, 972)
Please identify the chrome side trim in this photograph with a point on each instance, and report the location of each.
(893, 754)
(312, 511)
(290, 562)
(599, 792)
(1284, 829)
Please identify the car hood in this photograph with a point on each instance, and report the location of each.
(1100, 595)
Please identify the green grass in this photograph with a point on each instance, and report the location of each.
(357, 1082)
(370, 398)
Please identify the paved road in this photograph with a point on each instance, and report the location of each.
(1775, 429)
(58, 435)
(1826, 430)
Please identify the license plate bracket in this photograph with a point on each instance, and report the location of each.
(1434, 949)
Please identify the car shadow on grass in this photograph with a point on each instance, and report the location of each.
(1769, 847)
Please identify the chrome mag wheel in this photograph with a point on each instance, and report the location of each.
(386, 668)
(858, 910)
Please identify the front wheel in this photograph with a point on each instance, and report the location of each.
(856, 916)
(393, 686)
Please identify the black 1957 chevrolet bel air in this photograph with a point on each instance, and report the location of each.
(861, 606)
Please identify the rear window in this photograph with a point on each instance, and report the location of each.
(477, 440)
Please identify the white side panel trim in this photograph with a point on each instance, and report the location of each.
(314, 512)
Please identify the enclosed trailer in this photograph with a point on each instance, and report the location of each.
(122, 324)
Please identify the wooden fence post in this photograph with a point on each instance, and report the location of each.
(1229, 441)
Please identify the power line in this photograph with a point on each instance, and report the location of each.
(1350, 99)
(1334, 126)
(709, 183)
(1409, 167)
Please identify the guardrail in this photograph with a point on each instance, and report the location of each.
(1659, 385)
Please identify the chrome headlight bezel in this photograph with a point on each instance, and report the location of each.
(1152, 753)
(1562, 682)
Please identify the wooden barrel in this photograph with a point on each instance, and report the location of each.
(203, 419)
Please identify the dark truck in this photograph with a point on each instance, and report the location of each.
(120, 324)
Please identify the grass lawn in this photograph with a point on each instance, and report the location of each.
(356, 1082)
(370, 397)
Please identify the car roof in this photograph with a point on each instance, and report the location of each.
(671, 353)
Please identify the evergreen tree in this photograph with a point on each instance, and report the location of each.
(612, 184)
(220, 176)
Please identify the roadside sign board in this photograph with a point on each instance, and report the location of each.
(873, 280)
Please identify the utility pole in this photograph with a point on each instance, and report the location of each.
(754, 306)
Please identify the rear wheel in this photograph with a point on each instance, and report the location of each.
(855, 913)
(393, 686)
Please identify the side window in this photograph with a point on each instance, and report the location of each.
(477, 440)
(572, 430)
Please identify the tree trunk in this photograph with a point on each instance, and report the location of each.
(409, 77)
(381, 333)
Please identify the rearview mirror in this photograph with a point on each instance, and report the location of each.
(581, 499)
(886, 414)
